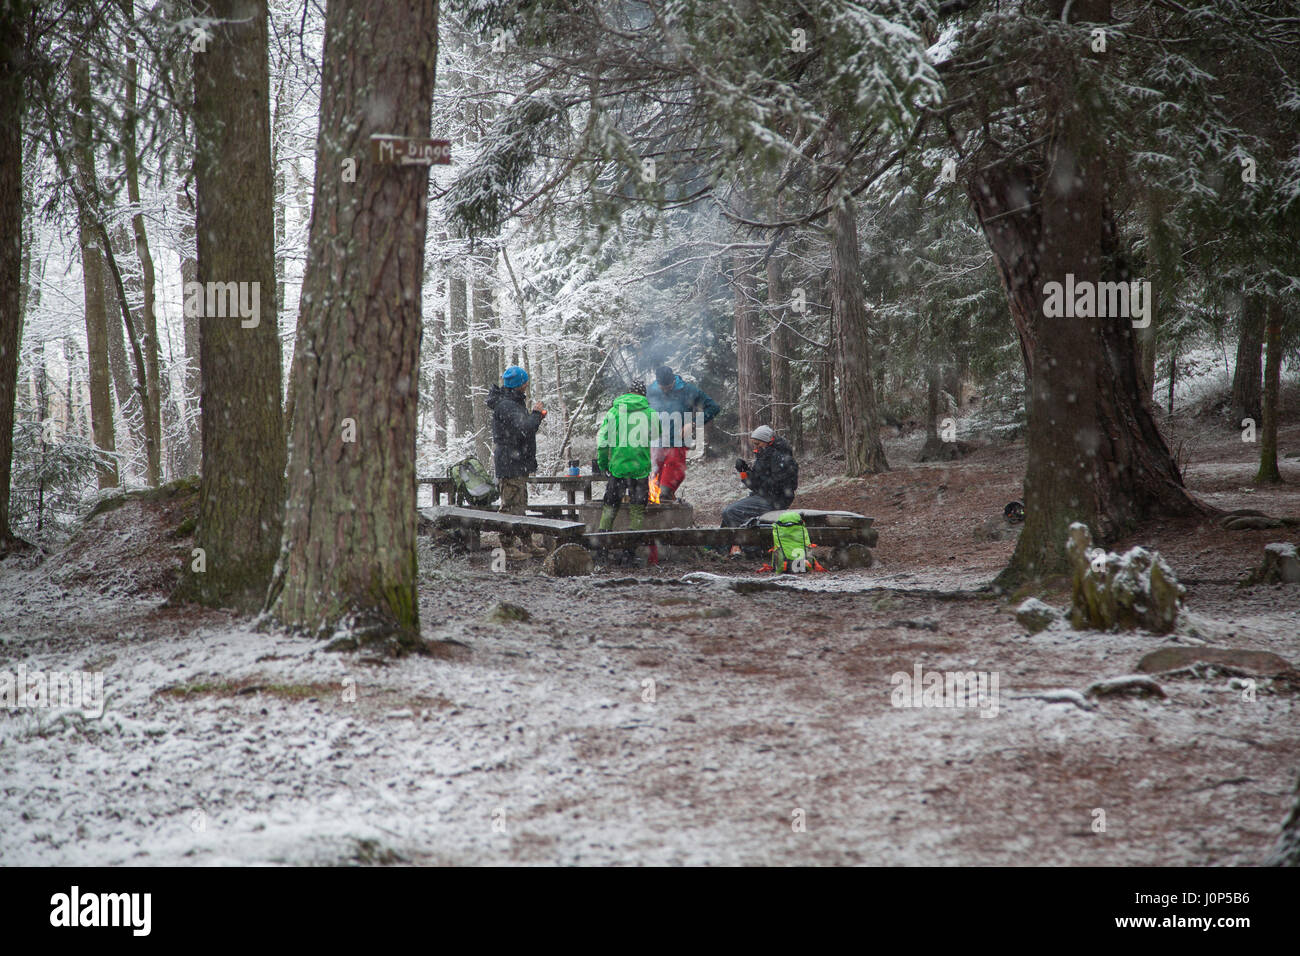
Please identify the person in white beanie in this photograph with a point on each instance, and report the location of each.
(772, 479)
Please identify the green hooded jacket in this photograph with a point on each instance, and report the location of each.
(623, 443)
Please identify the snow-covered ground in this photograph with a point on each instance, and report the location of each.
(662, 717)
(538, 742)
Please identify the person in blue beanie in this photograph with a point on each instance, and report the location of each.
(514, 456)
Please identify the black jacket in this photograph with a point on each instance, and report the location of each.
(514, 433)
(775, 474)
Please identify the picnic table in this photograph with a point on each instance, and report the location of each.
(570, 483)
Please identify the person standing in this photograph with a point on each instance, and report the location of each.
(677, 404)
(772, 480)
(514, 456)
(623, 452)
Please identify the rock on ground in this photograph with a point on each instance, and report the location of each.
(1132, 590)
(1034, 615)
(1281, 565)
(1257, 663)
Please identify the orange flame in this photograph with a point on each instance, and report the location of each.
(654, 489)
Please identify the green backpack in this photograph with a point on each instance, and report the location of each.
(791, 548)
(473, 483)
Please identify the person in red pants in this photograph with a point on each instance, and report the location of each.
(678, 404)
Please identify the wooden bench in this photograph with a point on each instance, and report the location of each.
(450, 516)
(726, 537)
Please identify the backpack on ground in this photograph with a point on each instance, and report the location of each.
(473, 483)
(791, 546)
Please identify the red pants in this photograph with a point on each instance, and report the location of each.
(670, 465)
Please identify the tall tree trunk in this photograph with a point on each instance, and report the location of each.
(241, 488)
(277, 167)
(11, 247)
(348, 557)
(148, 316)
(1247, 379)
(137, 354)
(189, 459)
(29, 296)
(125, 286)
(484, 365)
(1094, 452)
(119, 364)
(42, 415)
(436, 349)
(864, 454)
(748, 365)
(1268, 473)
(782, 342)
(829, 423)
(462, 400)
(33, 267)
(935, 449)
(94, 284)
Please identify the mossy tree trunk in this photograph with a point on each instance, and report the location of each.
(1094, 452)
(241, 489)
(348, 556)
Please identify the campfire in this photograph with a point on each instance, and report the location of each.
(654, 489)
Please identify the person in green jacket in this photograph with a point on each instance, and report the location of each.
(623, 452)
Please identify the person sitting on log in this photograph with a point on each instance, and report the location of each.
(623, 452)
(772, 479)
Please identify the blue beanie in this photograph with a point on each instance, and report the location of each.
(513, 377)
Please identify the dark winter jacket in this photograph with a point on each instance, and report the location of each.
(514, 433)
(775, 474)
(679, 407)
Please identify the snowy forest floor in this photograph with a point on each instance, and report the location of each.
(530, 742)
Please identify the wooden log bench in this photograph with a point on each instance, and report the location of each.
(826, 529)
(552, 510)
(726, 537)
(474, 520)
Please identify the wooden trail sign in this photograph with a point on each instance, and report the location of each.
(407, 151)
